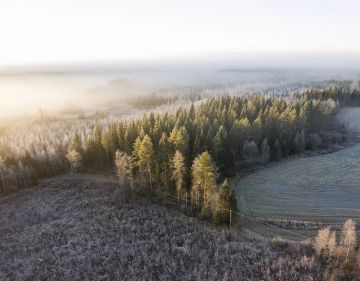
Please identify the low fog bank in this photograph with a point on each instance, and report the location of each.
(78, 88)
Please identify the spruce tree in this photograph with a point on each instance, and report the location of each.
(226, 202)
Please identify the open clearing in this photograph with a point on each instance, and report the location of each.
(316, 188)
(320, 189)
(71, 228)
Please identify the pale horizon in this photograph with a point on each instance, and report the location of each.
(49, 32)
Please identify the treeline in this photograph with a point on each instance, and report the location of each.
(346, 96)
(151, 100)
(231, 130)
(158, 99)
(180, 152)
(202, 197)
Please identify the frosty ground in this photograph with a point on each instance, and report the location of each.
(308, 192)
(75, 228)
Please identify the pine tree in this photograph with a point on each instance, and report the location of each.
(97, 134)
(107, 144)
(98, 149)
(124, 169)
(136, 149)
(144, 153)
(90, 153)
(222, 151)
(76, 144)
(178, 172)
(114, 139)
(204, 181)
(131, 135)
(180, 140)
(306, 116)
(162, 164)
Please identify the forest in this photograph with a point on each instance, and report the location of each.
(186, 152)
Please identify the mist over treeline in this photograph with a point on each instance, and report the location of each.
(60, 89)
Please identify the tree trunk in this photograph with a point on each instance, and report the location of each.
(52, 163)
(3, 181)
(178, 193)
(132, 190)
(347, 252)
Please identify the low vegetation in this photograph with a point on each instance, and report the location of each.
(339, 257)
(74, 228)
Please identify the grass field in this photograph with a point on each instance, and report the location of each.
(321, 189)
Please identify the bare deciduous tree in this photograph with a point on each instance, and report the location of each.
(348, 239)
(321, 241)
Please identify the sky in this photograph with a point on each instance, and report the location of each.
(68, 31)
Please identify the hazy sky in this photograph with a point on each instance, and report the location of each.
(50, 31)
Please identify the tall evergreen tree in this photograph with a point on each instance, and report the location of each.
(124, 169)
(178, 172)
(180, 140)
(162, 172)
(76, 144)
(144, 154)
(204, 181)
(227, 202)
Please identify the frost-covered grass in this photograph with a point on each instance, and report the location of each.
(318, 190)
(74, 228)
(321, 188)
(308, 192)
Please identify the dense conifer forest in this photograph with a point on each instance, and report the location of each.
(186, 152)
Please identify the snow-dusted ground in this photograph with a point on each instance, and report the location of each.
(71, 228)
(307, 193)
